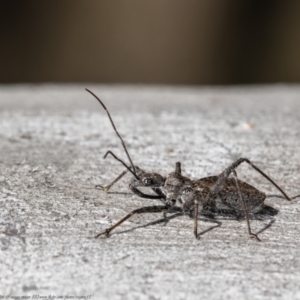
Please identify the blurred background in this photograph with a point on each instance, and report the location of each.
(156, 42)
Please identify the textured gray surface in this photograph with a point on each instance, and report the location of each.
(52, 140)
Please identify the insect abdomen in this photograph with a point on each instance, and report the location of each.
(227, 196)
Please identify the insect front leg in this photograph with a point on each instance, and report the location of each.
(107, 188)
(128, 169)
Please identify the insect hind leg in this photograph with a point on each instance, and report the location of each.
(224, 175)
(250, 233)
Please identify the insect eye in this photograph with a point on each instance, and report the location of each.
(187, 191)
(147, 181)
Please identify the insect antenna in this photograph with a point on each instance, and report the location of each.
(122, 162)
(115, 129)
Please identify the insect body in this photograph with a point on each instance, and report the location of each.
(219, 193)
(213, 194)
(226, 199)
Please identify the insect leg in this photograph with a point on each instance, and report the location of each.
(241, 160)
(196, 208)
(106, 188)
(146, 209)
(252, 235)
(196, 202)
(223, 176)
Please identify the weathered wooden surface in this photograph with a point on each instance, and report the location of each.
(52, 139)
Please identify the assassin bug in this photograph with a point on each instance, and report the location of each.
(214, 194)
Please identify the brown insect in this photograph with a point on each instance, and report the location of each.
(221, 194)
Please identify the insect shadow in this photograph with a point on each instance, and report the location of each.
(214, 194)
